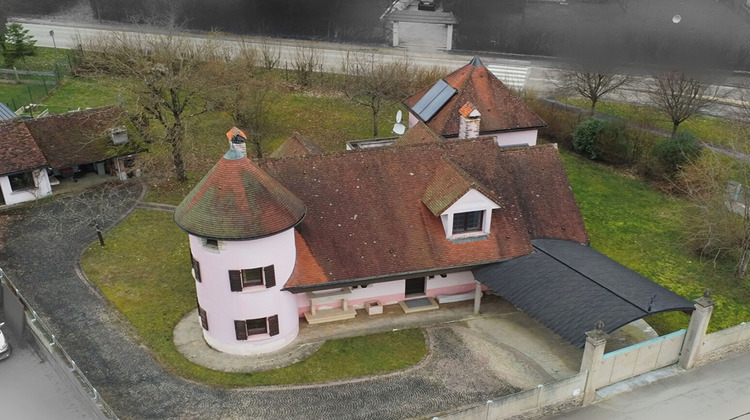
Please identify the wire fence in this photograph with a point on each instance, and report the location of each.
(21, 90)
(45, 337)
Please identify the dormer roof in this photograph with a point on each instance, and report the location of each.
(500, 108)
(448, 184)
(420, 133)
(236, 200)
(297, 145)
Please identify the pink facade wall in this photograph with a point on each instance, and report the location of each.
(224, 306)
(388, 293)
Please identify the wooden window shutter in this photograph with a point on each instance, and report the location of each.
(270, 276)
(196, 268)
(235, 281)
(204, 318)
(273, 325)
(240, 329)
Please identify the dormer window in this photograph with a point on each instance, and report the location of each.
(470, 221)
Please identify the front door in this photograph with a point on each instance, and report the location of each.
(415, 287)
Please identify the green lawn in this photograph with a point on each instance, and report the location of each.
(710, 129)
(642, 229)
(153, 288)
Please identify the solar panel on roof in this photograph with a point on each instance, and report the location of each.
(6, 113)
(435, 98)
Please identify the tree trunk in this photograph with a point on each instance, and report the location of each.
(174, 138)
(593, 108)
(674, 128)
(374, 122)
(742, 266)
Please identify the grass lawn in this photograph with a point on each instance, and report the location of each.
(710, 129)
(642, 229)
(153, 288)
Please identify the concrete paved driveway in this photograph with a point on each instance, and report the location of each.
(43, 266)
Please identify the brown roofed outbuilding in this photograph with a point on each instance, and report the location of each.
(18, 151)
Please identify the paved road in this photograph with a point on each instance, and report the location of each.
(719, 391)
(42, 262)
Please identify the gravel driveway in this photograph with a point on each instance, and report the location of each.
(42, 259)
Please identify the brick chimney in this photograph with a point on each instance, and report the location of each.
(237, 138)
(469, 125)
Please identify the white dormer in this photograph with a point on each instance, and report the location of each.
(469, 217)
(462, 203)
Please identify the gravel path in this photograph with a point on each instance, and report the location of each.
(42, 259)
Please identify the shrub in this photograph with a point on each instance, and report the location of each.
(671, 154)
(560, 122)
(586, 136)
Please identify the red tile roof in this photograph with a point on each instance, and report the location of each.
(420, 133)
(296, 145)
(80, 137)
(18, 151)
(501, 109)
(236, 200)
(448, 185)
(366, 219)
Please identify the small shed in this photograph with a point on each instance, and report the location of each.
(421, 24)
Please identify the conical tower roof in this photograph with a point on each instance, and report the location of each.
(236, 200)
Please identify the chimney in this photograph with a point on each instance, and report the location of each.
(469, 125)
(237, 139)
(119, 135)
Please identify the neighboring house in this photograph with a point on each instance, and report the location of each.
(317, 237)
(471, 101)
(420, 25)
(34, 152)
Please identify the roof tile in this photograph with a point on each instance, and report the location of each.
(18, 151)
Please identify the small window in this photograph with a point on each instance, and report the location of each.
(249, 327)
(468, 222)
(251, 277)
(22, 181)
(204, 317)
(212, 243)
(196, 268)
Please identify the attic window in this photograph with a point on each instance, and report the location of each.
(212, 243)
(470, 221)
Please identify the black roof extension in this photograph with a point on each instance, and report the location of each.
(434, 100)
(569, 287)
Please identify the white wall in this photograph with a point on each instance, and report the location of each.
(515, 138)
(43, 189)
(224, 306)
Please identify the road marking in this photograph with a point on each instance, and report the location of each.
(514, 77)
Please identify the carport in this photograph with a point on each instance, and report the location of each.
(568, 287)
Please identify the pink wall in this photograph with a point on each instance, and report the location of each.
(392, 292)
(223, 306)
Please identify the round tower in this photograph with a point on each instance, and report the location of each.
(240, 222)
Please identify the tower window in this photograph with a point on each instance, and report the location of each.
(252, 277)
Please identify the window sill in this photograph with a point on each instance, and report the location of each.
(258, 337)
(253, 289)
(468, 237)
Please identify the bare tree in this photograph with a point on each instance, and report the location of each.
(176, 80)
(718, 221)
(373, 83)
(307, 60)
(590, 85)
(270, 54)
(679, 96)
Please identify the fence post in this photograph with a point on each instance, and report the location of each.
(592, 360)
(696, 332)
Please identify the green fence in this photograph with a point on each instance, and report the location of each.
(20, 89)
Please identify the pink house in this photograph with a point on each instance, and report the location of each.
(313, 237)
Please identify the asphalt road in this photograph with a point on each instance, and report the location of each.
(718, 391)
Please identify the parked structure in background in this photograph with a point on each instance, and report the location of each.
(36, 153)
(420, 25)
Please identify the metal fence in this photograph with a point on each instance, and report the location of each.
(23, 89)
(61, 357)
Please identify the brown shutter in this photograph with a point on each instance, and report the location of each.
(196, 268)
(273, 325)
(204, 318)
(270, 276)
(240, 329)
(235, 281)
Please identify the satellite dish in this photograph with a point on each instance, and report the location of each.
(398, 128)
(676, 18)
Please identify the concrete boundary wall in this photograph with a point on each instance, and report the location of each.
(547, 395)
(640, 358)
(725, 338)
